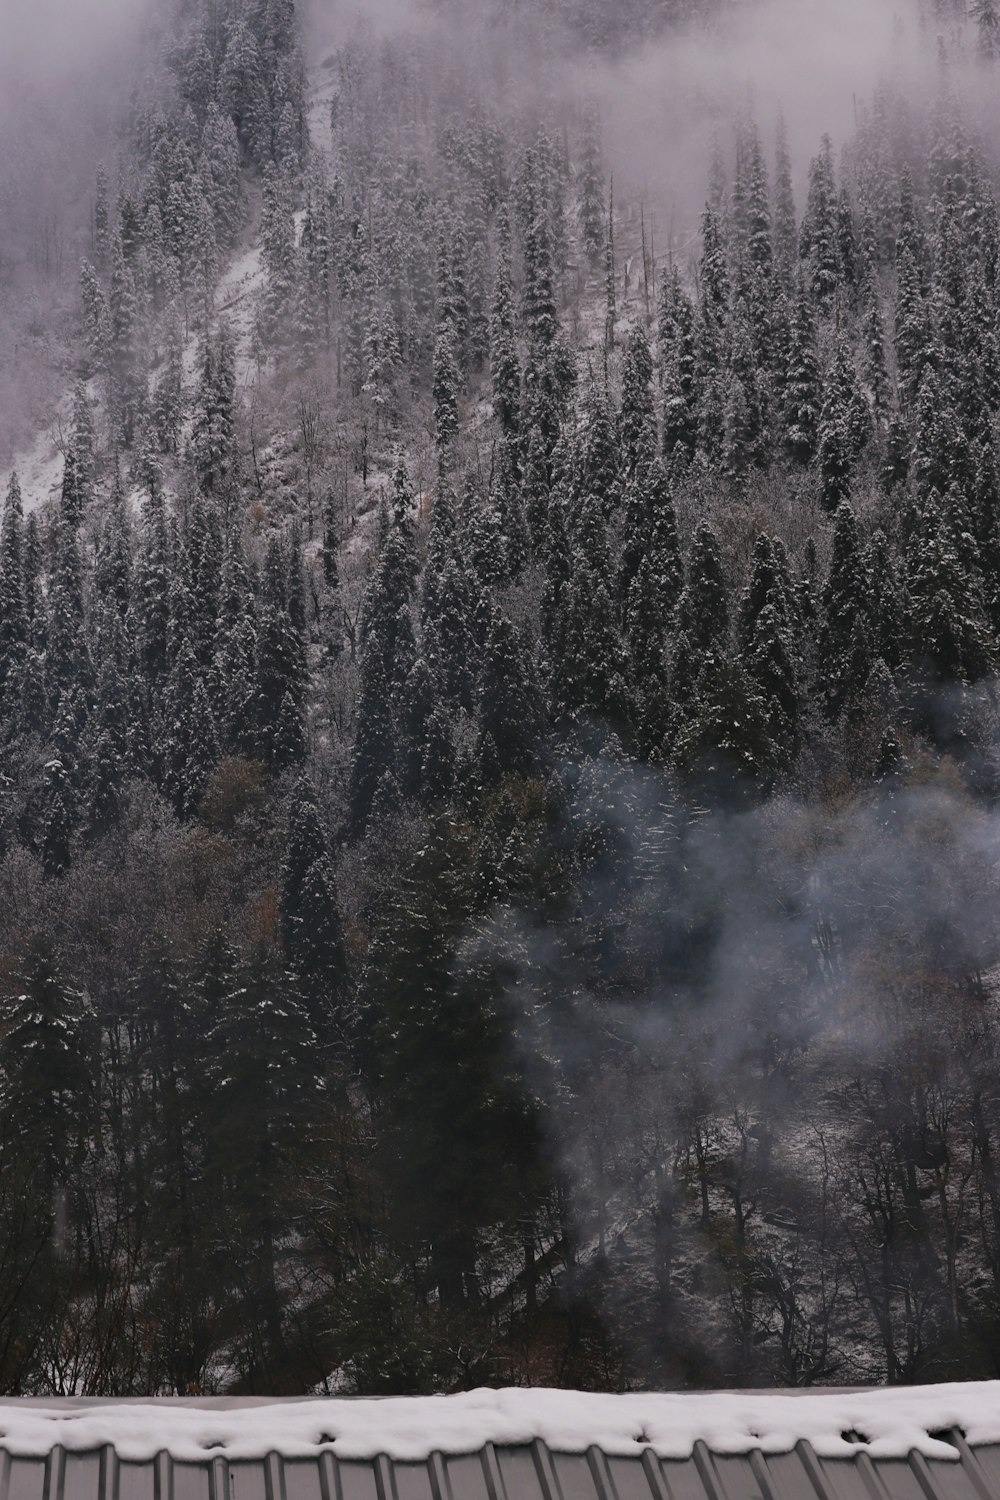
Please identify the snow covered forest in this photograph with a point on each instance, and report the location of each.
(499, 657)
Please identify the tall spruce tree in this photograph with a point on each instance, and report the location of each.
(311, 928)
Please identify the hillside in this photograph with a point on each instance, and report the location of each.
(499, 629)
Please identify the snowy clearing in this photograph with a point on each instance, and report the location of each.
(40, 467)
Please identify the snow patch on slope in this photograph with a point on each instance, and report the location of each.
(236, 302)
(889, 1423)
(40, 468)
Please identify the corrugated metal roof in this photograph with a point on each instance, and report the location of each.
(531, 1472)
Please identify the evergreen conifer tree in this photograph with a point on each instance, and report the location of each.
(46, 1057)
(311, 928)
(590, 187)
(845, 599)
(191, 746)
(13, 612)
(803, 388)
(818, 234)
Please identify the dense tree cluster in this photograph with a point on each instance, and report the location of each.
(234, 97)
(496, 825)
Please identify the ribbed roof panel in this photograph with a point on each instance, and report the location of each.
(531, 1472)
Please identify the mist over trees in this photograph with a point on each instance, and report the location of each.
(499, 798)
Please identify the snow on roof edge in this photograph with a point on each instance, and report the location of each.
(893, 1422)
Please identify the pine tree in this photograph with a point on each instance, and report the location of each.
(725, 746)
(219, 169)
(705, 610)
(46, 1057)
(439, 761)
(280, 674)
(234, 664)
(713, 275)
(71, 494)
(265, 1092)
(743, 417)
(13, 611)
(757, 207)
(437, 1058)
(590, 187)
(83, 442)
(842, 428)
(650, 532)
(505, 367)
(448, 614)
(610, 298)
(645, 635)
(988, 24)
(895, 467)
(764, 581)
(205, 554)
(803, 389)
(278, 253)
(884, 605)
(311, 928)
(847, 244)
(541, 319)
(166, 1005)
(102, 219)
(912, 325)
(33, 567)
(948, 636)
(590, 679)
(383, 665)
(818, 235)
(457, 311)
(126, 376)
(874, 369)
(191, 746)
(935, 457)
(152, 585)
(446, 388)
(59, 821)
(67, 660)
(242, 94)
(845, 599)
(204, 252)
(510, 711)
(702, 623)
(180, 599)
(637, 419)
(770, 665)
(597, 470)
(213, 438)
(96, 321)
(677, 370)
(512, 523)
(655, 573)
(784, 230)
(168, 399)
(373, 739)
(710, 374)
(116, 733)
(382, 359)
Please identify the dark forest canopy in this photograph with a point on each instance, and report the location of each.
(499, 801)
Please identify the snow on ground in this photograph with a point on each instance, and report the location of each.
(887, 1423)
(40, 467)
(318, 113)
(236, 302)
(236, 299)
